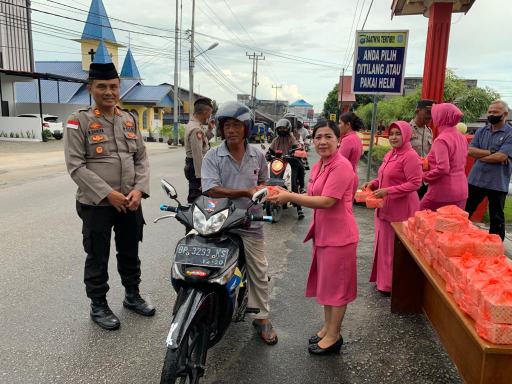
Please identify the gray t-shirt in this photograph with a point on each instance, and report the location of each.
(220, 169)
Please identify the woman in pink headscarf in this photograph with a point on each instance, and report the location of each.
(351, 146)
(447, 182)
(398, 180)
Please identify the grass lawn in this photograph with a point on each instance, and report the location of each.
(508, 212)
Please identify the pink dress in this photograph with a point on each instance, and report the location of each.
(400, 173)
(446, 177)
(351, 147)
(332, 276)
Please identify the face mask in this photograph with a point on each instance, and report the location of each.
(493, 119)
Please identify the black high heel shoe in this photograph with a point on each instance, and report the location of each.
(314, 349)
(314, 339)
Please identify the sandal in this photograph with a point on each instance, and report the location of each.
(266, 332)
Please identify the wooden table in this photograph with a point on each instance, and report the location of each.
(418, 288)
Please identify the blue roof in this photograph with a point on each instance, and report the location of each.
(97, 26)
(130, 70)
(26, 92)
(148, 94)
(63, 68)
(102, 56)
(300, 103)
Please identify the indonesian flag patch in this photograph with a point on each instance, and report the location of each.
(73, 124)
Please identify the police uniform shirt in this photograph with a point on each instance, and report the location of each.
(421, 139)
(196, 144)
(104, 155)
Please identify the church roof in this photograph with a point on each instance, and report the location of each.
(130, 70)
(102, 56)
(97, 26)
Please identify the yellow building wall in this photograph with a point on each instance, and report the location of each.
(87, 45)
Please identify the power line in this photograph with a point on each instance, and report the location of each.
(351, 31)
(86, 22)
(362, 29)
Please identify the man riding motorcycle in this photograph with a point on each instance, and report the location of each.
(284, 141)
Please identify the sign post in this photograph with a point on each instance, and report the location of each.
(379, 67)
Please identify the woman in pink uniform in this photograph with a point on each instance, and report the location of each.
(351, 146)
(398, 180)
(446, 177)
(332, 276)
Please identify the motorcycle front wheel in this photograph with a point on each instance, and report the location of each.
(185, 365)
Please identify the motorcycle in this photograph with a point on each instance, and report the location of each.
(280, 175)
(209, 275)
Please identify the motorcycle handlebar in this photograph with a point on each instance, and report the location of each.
(268, 219)
(168, 208)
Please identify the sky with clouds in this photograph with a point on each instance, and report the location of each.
(306, 43)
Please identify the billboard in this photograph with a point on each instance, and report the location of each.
(379, 62)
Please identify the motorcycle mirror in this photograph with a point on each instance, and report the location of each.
(263, 147)
(169, 189)
(260, 196)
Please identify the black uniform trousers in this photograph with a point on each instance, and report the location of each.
(496, 207)
(194, 183)
(98, 222)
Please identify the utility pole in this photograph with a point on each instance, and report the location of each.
(342, 90)
(276, 87)
(191, 66)
(176, 105)
(255, 58)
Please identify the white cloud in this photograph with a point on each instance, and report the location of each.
(316, 30)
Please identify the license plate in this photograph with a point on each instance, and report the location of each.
(201, 256)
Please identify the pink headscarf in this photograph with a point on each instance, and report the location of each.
(406, 130)
(445, 115)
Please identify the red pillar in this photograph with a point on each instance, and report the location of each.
(436, 52)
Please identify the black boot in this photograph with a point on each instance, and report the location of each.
(137, 304)
(102, 315)
(300, 213)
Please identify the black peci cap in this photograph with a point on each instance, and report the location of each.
(204, 101)
(100, 71)
(424, 104)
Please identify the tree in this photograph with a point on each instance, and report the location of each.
(331, 103)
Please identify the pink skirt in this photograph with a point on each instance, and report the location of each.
(383, 251)
(332, 276)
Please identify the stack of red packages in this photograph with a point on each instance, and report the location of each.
(472, 264)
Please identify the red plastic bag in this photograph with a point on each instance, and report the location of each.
(487, 245)
(451, 223)
(496, 305)
(362, 194)
(461, 266)
(452, 210)
(374, 202)
(455, 244)
(425, 220)
(495, 333)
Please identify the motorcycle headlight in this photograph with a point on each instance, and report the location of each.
(212, 225)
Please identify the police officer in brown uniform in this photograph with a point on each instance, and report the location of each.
(196, 145)
(106, 158)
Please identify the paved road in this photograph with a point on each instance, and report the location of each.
(47, 336)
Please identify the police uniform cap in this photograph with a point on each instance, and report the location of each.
(103, 71)
(204, 101)
(424, 104)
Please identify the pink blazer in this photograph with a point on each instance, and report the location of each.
(400, 173)
(446, 176)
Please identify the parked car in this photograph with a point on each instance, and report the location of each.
(50, 122)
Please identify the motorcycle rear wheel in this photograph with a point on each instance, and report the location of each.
(276, 211)
(185, 365)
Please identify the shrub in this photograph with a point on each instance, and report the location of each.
(379, 151)
(47, 134)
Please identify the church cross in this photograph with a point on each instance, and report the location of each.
(91, 53)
